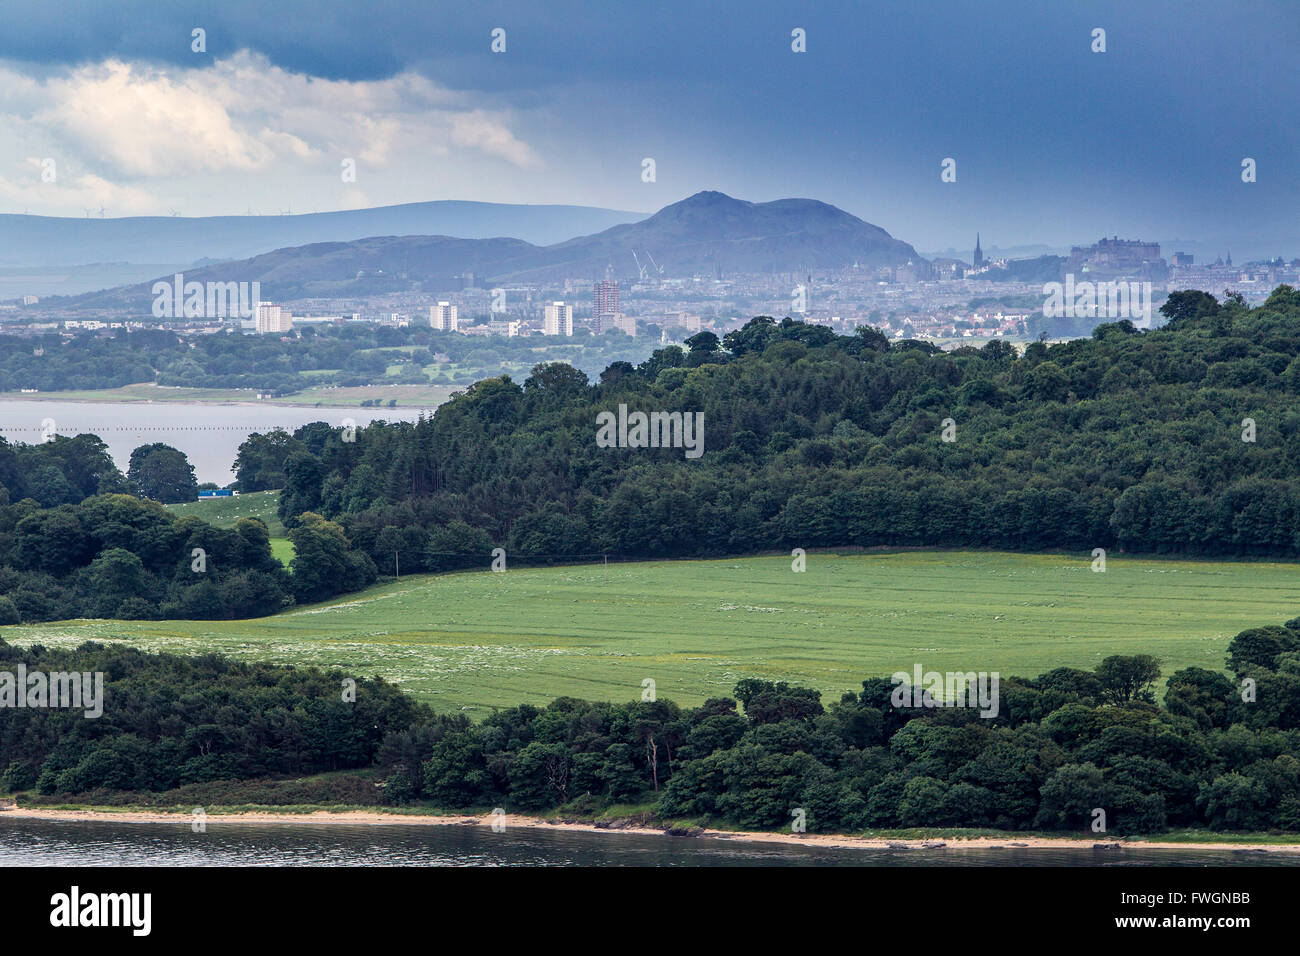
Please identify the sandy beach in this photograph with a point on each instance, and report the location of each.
(376, 818)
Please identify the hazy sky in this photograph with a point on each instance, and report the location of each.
(1053, 143)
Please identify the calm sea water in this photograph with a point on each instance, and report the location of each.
(210, 435)
(57, 843)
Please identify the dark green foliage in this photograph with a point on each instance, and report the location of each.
(323, 565)
(162, 473)
(1125, 679)
(117, 556)
(59, 471)
(1056, 752)
(1126, 440)
(1062, 746)
(169, 721)
(113, 555)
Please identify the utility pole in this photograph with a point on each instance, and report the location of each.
(397, 565)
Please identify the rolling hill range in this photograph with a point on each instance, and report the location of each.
(706, 234)
(44, 241)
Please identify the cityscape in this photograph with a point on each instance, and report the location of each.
(942, 300)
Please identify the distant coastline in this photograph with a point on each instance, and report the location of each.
(111, 399)
(126, 400)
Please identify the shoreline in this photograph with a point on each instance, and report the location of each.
(213, 402)
(825, 840)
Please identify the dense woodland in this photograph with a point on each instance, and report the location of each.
(170, 721)
(79, 539)
(1062, 745)
(117, 556)
(1180, 440)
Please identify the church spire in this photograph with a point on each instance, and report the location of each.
(979, 255)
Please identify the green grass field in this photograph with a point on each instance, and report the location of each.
(476, 640)
(224, 512)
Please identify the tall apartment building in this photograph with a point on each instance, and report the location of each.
(443, 317)
(604, 298)
(557, 319)
(272, 318)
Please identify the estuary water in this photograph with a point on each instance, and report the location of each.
(26, 842)
(209, 434)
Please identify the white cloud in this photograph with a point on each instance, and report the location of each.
(147, 123)
(479, 130)
(134, 129)
(75, 193)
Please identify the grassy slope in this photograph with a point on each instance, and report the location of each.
(224, 512)
(476, 639)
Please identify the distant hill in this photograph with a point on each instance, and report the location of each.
(711, 233)
(332, 269)
(44, 241)
(708, 233)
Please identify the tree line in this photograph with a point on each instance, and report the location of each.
(1182, 439)
(66, 471)
(78, 539)
(170, 721)
(1218, 753)
(1062, 746)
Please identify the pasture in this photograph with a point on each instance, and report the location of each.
(476, 640)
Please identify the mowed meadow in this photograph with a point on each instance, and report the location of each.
(477, 640)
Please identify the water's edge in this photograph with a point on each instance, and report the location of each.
(38, 837)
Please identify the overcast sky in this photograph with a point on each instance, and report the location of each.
(1053, 143)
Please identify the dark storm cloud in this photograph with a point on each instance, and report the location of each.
(1053, 141)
